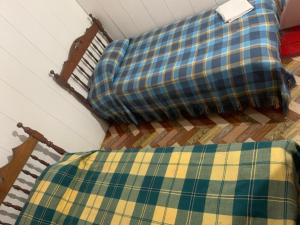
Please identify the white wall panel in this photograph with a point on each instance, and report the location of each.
(179, 8)
(96, 8)
(159, 11)
(139, 14)
(127, 18)
(35, 38)
(119, 16)
(55, 27)
(69, 13)
(30, 29)
(200, 6)
(22, 109)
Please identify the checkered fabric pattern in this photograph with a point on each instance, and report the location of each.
(106, 68)
(248, 183)
(196, 66)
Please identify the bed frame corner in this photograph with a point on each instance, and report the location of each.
(20, 156)
(76, 53)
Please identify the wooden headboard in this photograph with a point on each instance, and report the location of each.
(21, 154)
(84, 54)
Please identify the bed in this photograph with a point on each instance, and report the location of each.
(192, 67)
(255, 182)
(221, 184)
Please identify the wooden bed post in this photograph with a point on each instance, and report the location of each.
(41, 138)
(77, 53)
(10, 172)
(100, 26)
(21, 154)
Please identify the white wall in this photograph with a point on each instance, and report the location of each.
(35, 37)
(126, 18)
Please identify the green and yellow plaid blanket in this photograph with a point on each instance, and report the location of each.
(248, 183)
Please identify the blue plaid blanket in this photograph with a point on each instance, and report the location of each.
(195, 66)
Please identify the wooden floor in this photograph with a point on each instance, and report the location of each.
(251, 125)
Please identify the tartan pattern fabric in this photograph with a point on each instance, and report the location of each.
(109, 65)
(102, 84)
(247, 183)
(199, 65)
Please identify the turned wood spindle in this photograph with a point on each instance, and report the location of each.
(100, 42)
(40, 160)
(88, 64)
(92, 56)
(3, 223)
(17, 187)
(77, 79)
(99, 53)
(84, 72)
(34, 176)
(16, 207)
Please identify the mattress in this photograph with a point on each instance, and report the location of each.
(193, 67)
(248, 183)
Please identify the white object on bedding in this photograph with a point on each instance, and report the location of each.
(234, 9)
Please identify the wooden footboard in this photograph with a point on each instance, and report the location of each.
(84, 54)
(21, 154)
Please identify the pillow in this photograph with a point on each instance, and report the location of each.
(107, 67)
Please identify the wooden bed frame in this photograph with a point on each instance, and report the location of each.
(79, 52)
(21, 154)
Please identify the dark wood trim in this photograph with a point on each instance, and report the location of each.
(10, 172)
(77, 50)
(41, 138)
(76, 53)
(101, 29)
(21, 154)
(16, 207)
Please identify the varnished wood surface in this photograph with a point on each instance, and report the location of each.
(41, 138)
(21, 154)
(77, 50)
(76, 53)
(10, 172)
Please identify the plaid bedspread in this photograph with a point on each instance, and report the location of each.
(249, 183)
(195, 66)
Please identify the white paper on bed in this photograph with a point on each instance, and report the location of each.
(234, 9)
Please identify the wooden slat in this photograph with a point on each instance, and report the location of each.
(40, 160)
(17, 187)
(16, 207)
